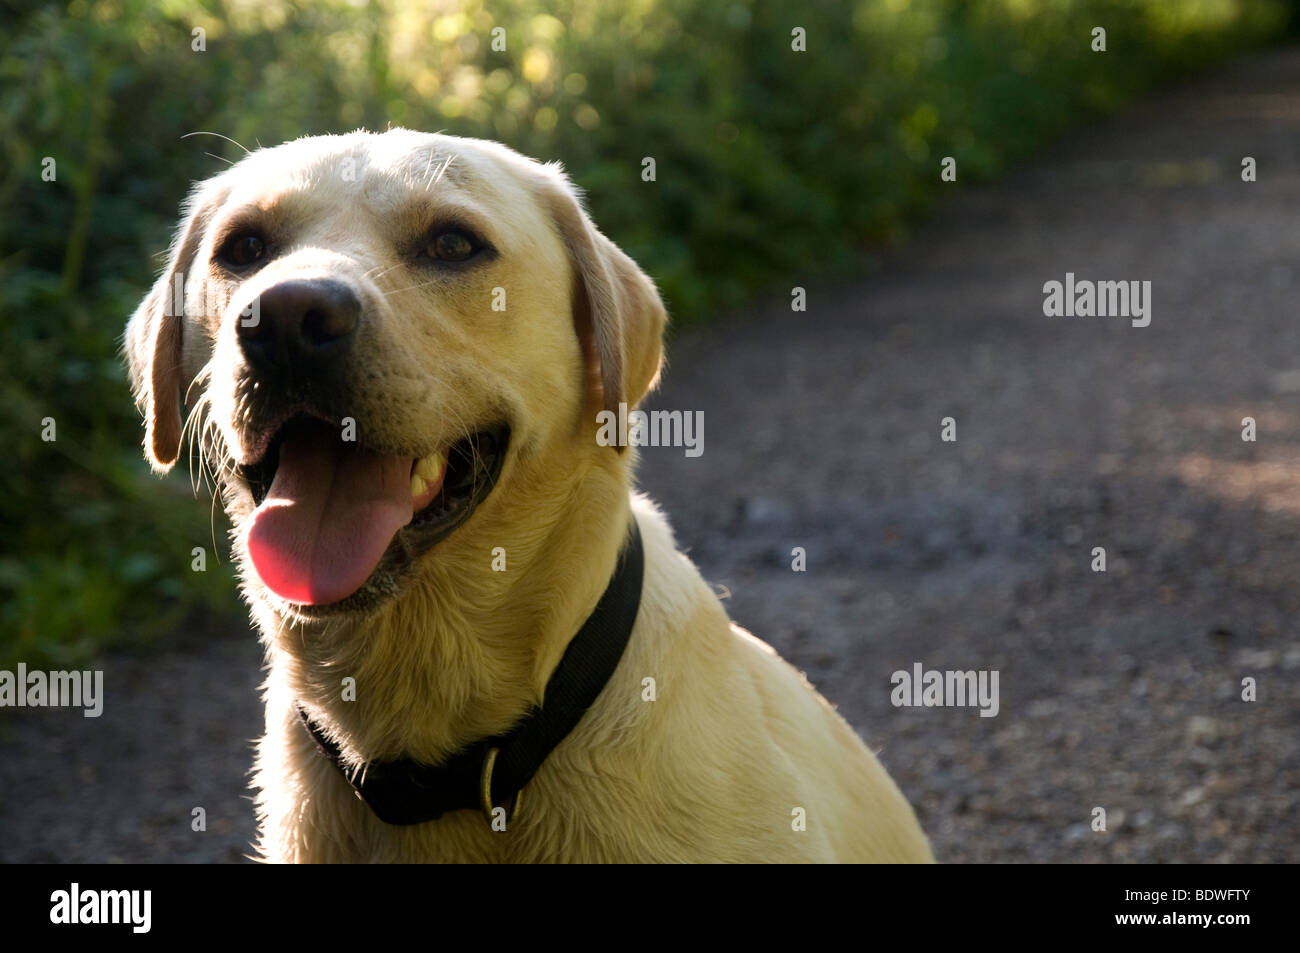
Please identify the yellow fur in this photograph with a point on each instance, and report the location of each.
(736, 741)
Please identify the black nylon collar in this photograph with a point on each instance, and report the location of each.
(408, 792)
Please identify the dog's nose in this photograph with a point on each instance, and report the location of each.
(304, 324)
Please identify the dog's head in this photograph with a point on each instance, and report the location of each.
(373, 338)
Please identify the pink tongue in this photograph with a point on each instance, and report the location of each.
(331, 512)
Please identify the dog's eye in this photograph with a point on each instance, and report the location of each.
(453, 245)
(243, 249)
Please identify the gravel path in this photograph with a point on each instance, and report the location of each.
(1118, 690)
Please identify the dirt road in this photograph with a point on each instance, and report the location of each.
(1118, 690)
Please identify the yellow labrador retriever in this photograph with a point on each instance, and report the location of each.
(392, 352)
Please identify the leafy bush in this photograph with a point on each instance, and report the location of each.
(773, 166)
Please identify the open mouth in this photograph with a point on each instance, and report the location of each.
(331, 513)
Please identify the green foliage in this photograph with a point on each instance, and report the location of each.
(774, 167)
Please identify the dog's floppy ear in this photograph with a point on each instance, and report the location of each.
(617, 313)
(153, 339)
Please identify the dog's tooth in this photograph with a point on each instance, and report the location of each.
(419, 486)
(430, 467)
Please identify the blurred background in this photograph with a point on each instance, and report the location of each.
(775, 168)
